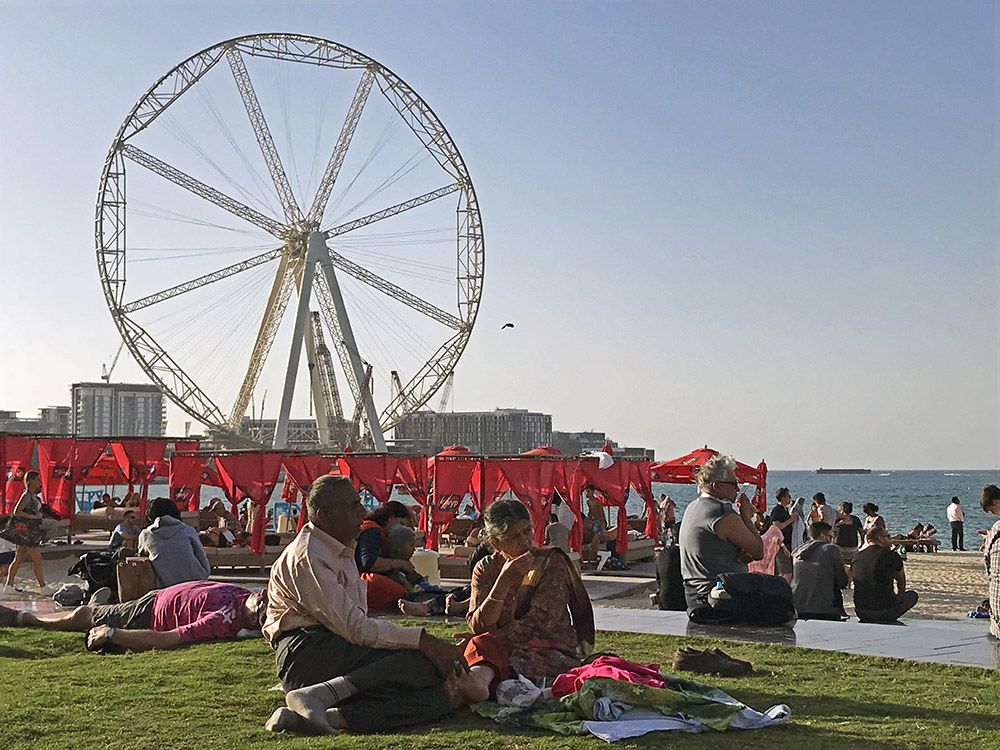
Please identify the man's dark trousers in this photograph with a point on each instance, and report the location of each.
(957, 535)
(396, 688)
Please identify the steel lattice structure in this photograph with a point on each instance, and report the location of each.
(305, 265)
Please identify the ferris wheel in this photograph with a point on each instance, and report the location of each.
(279, 166)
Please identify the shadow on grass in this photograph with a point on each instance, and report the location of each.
(13, 652)
(480, 732)
(872, 712)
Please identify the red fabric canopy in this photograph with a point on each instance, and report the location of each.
(251, 475)
(303, 469)
(487, 484)
(452, 473)
(640, 482)
(374, 473)
(684, 470)
(411, 473)
(565, 483)
(15, 452)
(105, 471)
(613, 483)
(60, 461)
(187, 473)
(141, 460)
(531, 480)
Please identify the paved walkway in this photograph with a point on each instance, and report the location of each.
(964, 643)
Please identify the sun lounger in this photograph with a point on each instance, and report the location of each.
(640, 549)
(918, 545)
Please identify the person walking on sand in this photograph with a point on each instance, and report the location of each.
(956, 517)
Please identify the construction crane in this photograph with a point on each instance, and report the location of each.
(106, 371)
(329, 410)
(359, 408)
(446, 391)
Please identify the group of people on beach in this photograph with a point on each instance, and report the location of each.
(722, 534)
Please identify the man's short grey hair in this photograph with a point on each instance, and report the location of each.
(501, 515)
(326, 491)
(717, 469)
(398, 538)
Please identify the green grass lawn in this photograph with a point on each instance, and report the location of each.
(56, 695)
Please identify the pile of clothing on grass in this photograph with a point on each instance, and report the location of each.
(613, 698)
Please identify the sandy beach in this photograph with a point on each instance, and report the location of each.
(950, 584)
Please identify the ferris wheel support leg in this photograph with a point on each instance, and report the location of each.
(295, 354)
(315, 374)
(378, 440)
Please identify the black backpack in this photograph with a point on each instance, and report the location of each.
(670, 582)
(99, 570)
(754, 599)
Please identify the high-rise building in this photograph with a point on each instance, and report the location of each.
(117, 410)
(501, 431)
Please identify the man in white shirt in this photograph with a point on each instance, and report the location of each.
(341, 668)
(956, 517)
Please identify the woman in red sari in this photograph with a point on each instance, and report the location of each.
(529, 613)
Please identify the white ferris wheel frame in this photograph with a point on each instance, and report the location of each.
(306, 264)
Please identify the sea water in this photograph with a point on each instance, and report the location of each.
(904, 498)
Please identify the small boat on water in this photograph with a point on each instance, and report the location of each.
(821, 470)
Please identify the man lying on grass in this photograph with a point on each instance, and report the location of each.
(167, 618)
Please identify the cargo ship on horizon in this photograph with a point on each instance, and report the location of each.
(821, 470)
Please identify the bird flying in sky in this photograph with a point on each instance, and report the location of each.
(506, 325)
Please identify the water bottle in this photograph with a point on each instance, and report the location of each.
(718, 594)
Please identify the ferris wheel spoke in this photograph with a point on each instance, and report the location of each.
(202, 190)
(425, 383)
(340, 150)
(399, 208)
(166, 372)
(208, 278)
(281, 292)
(263, 135)
(387, 287)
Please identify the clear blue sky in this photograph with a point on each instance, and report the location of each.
(766, 227)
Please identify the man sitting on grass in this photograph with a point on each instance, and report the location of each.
(341, 668)
(874, 570)
(171, 617)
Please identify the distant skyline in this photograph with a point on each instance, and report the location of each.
(768, 228)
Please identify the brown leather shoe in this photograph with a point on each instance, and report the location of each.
(706, 662)
(747, 666)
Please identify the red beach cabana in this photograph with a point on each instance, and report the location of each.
(684, 470)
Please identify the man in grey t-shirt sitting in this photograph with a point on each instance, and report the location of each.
(716, 536)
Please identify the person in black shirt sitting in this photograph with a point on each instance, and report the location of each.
(875, 569)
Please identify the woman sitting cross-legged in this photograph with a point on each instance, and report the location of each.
(529, 612)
